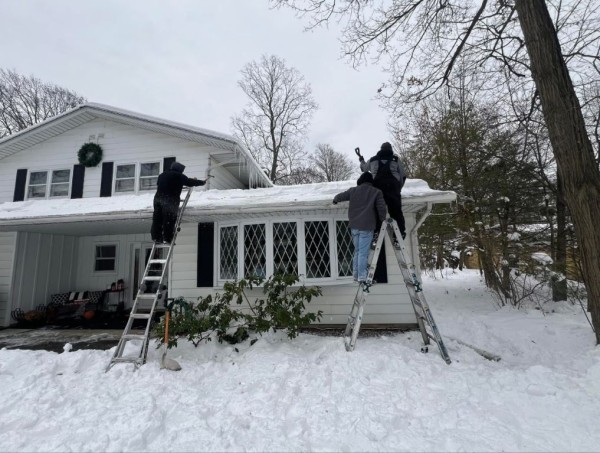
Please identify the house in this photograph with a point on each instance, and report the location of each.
(67, 227)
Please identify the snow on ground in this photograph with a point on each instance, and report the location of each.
(309, 394)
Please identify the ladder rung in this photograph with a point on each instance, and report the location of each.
(162, 246)
(127, 359)
(160, 261)
(131, 336)
(150, 296)
(148, 277)
(139, 315)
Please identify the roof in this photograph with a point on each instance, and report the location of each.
(235, 158)
(204, 205)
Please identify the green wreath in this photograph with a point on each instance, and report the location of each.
(90, 154)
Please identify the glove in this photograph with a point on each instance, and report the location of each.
(361, 159)
(335, 202)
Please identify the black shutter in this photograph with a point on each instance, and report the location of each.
(380, 275)
(78, 177)
(167, 161)
(20, 180)
(206, 253)
(106, 181)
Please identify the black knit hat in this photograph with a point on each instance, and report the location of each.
(386, 147)
(365, 177)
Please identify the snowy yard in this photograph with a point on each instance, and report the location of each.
(311, 395)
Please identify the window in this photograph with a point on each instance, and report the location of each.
(316, 244)
(59, 185)
(290, 246)
(106, 258)
(285, 248)
(149, 175)
(136, 177)
(54, 186)
(228, 267)
(345, 248)
(38, 180)
(255, 260)
(125, 178)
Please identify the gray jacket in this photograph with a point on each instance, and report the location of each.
(366, 205)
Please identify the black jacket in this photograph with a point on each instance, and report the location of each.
(171, 182)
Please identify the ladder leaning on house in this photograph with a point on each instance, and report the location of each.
(420, 305)
(155, 273)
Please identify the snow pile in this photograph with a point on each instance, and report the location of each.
(311, 395)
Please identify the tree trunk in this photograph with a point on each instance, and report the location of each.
(580, 176)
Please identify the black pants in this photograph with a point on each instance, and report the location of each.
(391, 194)
(163, 219)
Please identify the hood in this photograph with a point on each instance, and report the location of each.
(386, 151)
(176, 166)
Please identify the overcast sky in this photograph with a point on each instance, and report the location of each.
(181, 60)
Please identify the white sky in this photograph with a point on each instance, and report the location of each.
(309, 394)
(181, 60)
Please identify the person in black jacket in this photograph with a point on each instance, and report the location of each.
(388, 176)
(166, 201)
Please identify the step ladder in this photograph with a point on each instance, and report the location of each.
(425, 320)
(154, 274)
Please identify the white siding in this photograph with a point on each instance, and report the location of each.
(387, 303)
(44, 264)
(88, 279)
(121, 144)
(8, 243)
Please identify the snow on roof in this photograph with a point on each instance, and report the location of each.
(307, 196)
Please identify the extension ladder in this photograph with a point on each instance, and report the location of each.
(155, 273)
(420, 305)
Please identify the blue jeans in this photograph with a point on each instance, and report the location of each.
(362, 245)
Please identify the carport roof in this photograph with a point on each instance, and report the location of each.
(132, 213)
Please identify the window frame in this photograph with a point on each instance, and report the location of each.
(116, 258)
(136, 176)
(48, 184)
(300, 243)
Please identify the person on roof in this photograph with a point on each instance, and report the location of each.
(388, 176)
(366, 209)
(166, 201)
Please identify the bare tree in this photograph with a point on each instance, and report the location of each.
(421, 40)
(332, 165)
(25, 101)
(274, 123)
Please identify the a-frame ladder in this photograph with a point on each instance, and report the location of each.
(155, 273)
(425, 320)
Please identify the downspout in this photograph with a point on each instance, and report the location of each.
(413, 237)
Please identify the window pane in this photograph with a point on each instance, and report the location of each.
(255, 251)
(38, 177)
(316, 235)
(124, 185)
(148, 183)
(59, 190)
(285, 248)
(36, 192)
(345, 248)
(105, 257)
(60, 176)
(229, 253)
(126, 171)
(106, 251)
(150, 169)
